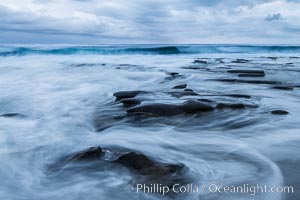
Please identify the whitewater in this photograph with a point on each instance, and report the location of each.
(56, 101)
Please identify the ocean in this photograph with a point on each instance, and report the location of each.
(228, 115)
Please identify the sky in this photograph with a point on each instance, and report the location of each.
(149, 22)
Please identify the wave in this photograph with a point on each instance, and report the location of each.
(146, 49)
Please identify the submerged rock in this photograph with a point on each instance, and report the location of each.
(240, 61)
(127, 94)
(130, 102)
(179, 94)
(279, 112)
(232, 106)
(198, 61)
(246, 71)
(283, 87)
(247, 81)
(251, 75)
(181, 86)
(160, 109)
(139, 164)
(9, 115)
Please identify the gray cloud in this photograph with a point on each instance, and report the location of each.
(155, 21)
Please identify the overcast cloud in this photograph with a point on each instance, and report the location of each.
(150, 21)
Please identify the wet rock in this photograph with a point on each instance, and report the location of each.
(246, 71)
(206, 100)
(193, 67)
(279, 112)
(198, 61)
(240, 61)
(272, 58)
(247, 81)
(188, 90)
(90, 154)
(130, 102)
(179, 94)
(127, 94)
(231, 106)
(159, 109)
(173, 75)
(11, 115)
(181, 86)
(139, 164)
(283, 87)
(238, 96)
(192, 106)
(251, 75)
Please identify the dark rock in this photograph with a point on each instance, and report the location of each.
(179, 94)
(246, 71)
(159, 109)
(279, 112)
(238, 95)
(251, 75)
(127, 94)
(206, 100)
(240, 61)
(188, 90)
(272, 58)
(143, 168)
(130, 102)
(181, 86)
(231, 106)
(173, 75)
(92, 153)
(198, 61)
(192, 106)
(8, 115)
(247, 81)
(135, 161)
(283, 87)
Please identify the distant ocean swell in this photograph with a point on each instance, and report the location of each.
(146, 49)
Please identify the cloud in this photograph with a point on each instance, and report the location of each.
(148, 21)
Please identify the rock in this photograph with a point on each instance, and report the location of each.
(272, 58)
(173, 75)
(246, 71)
(251, 75)
(180, 94)
(198, 61)
(145, 169)
(240, 61)
(181, 86)
(130, 102)
(135, 161)
(9, 115)
(127, 94)
(238, 95)
(247, 81)
(206, 100)
(279, 112)
(192, 106)
(283, 87)
(159, 109)
(232, 106)
(89, 154)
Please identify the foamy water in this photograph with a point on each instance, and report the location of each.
(59, 95)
